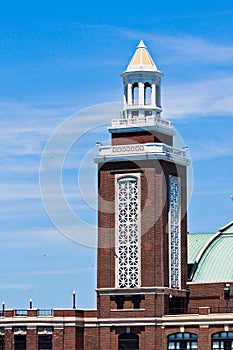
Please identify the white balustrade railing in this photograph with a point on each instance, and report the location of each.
(139, 121)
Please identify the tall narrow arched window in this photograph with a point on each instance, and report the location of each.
(135, 94)
(182, 341)
(128, 341)
(147, 93)
(127, 231)
(222, 341)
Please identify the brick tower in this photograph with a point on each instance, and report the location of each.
(142, 224)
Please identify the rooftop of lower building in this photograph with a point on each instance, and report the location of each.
(211, 255)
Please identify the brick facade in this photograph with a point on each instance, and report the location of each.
(146, 314)
(161, 311)
(143, 136)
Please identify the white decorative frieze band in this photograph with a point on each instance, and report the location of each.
(143, 151)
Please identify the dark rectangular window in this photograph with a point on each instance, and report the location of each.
(120, 301)
(2, 342)
(44, 342)
(20, 341)
(136, 301)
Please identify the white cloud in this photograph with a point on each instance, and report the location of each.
(16, 190)
(191, 49)
(21, 286)
(185, 48)
(209, 149)
(53, 272)
(30, 238)
(212, 97)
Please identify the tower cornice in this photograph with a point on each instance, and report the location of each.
(145, 151)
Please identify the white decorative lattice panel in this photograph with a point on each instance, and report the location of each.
(127, 233)
(174, 231)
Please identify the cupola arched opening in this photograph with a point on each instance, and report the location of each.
(135, 94)
(147, 93)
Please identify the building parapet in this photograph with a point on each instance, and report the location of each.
(43, 313)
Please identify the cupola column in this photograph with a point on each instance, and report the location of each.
(153, 95)
(130, 99)
(141, 94)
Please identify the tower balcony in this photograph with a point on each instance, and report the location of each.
(143, 151)
(143, 121)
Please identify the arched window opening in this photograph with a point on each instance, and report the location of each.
(147, 93)
(182, 341)
(128, 341)
(135, 94)
(222, 341)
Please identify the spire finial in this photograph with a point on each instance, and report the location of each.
(141, 45)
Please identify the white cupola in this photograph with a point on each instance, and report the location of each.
(142, 85)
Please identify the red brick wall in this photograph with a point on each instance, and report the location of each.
(141, 137)
(58, 339)
(91, 338)
(154, 220)
(32, 339)
(149, 338)
(211, 295)
(9, 339)
(70, 338)
(105, 340)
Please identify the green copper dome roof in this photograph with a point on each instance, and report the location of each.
(212, 255)
(195, 243)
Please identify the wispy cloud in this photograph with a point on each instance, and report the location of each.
(15, 189)
(30, 238)
(212, 97)
(190, 49)
(185, 48)
(18, 286)
(53, 272)
(209, 149)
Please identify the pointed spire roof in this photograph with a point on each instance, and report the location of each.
(141, 60)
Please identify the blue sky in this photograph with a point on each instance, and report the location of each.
(58, 58)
